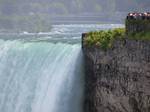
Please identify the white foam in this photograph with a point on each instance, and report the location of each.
(40, 77)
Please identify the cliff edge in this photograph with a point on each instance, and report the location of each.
(117, 79)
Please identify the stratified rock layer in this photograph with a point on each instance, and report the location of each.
(118, 80)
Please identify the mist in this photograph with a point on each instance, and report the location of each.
(39, 15)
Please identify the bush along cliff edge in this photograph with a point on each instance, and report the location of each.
(137, 28)
(103, 39)
(117, 67)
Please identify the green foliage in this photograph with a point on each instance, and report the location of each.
(104, 39)
(140, 36)
(138, 22)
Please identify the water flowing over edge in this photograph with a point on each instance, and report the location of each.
(43, 72)
(41, 77)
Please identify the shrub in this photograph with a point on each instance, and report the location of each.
(104, 39)
(140, 35)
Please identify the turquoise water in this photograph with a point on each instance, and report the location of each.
(43, 72)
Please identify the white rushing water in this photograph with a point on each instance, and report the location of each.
(43, 72)
(40, 77)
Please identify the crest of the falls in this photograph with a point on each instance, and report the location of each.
(40, 77)
(43, 72)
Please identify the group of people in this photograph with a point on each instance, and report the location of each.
(141, 16)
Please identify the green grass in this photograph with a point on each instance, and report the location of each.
(104, 39)
(140, 36)
(138, 22)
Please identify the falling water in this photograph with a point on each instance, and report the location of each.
(44, 72)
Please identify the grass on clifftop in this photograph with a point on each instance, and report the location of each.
(140, 36)
(104, 39)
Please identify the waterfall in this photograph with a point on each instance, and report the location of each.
(43, 72)
(40, 77)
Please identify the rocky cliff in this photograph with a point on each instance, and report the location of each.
(118, 79)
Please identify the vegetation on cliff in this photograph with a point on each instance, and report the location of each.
(138, 29)
(104, 39)
(139, 36)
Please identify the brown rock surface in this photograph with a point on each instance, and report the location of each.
(118, 80)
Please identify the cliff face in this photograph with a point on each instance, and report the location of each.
(118, 80)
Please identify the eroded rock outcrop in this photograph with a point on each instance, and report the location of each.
(118, 80)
